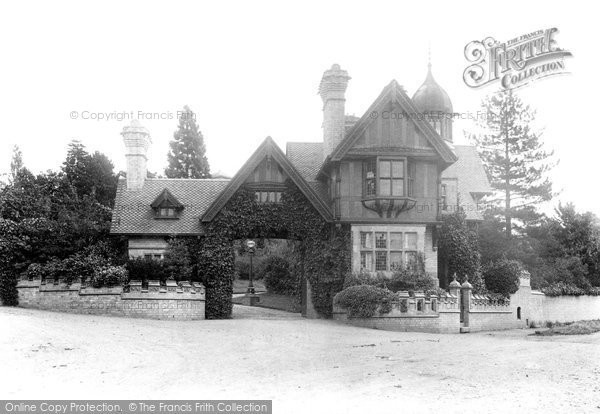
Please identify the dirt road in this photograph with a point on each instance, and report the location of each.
(305, 366)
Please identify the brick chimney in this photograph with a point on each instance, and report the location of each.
(137, 140)
(332, 90)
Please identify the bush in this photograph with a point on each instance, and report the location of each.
(502, 276)
(565, 289)
(109, 276)
(77, 267)
(278, 277)
(410, 280)
(242, 270)
(142, 268)
(363, 300)
(8, 288)
(379, 279)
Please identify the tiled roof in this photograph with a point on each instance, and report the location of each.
(321, 189)
(307, 157)
(471, 177)
(133, 215)
(469, 170)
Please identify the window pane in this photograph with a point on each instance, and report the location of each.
(263, 196)
(366, 261)
(381, 240)
(147, 256)
(272, 196)
(366, 240)
(277, 197)
(370, 189)
(396, 241)
(257, 196)
(384, 187)
(157, 256)
(398, 187)
(380, 260)
(395, 260)
(398, 169)
(384, 169)
(411, 240)
(411, 259)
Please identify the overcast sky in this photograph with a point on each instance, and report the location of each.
(251, 70)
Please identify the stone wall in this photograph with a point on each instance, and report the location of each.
(184, 302)
(565, 308)
(412, 314)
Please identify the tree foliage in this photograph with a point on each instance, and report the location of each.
(90, 174)
(458, 251)
(16, 164)
(52, 217)
(514, 159)
(187, 152)
(502, 276)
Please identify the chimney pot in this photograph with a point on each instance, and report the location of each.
(137, 141)
(333, 90)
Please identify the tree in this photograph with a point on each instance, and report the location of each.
(514, 159)
(579, 235)
(459, 251)
(90, 175)
(187, 154)
(16, 164)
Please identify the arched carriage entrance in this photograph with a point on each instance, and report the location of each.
(268, 198)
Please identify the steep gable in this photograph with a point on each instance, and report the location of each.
(412, 132)
(267, 148)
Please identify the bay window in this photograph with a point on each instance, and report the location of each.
(385, 177)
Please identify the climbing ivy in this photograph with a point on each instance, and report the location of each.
(325, 249)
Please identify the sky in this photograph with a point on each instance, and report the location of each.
(252, 69)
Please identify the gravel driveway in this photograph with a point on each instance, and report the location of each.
(303, 365)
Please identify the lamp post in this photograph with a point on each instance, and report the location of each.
(251, 293)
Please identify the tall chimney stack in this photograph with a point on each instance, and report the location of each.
(332, 90)
(137, 140)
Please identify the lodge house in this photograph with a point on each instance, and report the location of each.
(391, 174)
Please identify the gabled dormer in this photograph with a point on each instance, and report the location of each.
(388, 163)
(166, 206)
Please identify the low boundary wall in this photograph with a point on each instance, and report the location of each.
(183, 302)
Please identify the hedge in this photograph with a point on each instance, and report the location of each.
(362, 301)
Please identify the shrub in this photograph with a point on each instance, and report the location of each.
(177, 264)
(109, 276)
(410, 280)
(566, 289)
(77, 267)
(363, 300)
(278, 277)
(365, 278)
(502, 276)
(8, 288)
(242, 269)
(142, 268)
(35, 271)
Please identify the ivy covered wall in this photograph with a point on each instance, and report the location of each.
(325, 247)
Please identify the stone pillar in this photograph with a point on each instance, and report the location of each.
(465, 304)
(311, 312)
(137, 141)
(454, 288)
(333, 90)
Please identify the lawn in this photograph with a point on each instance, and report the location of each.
(571, 328)
(273, 301)
(241, 286)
